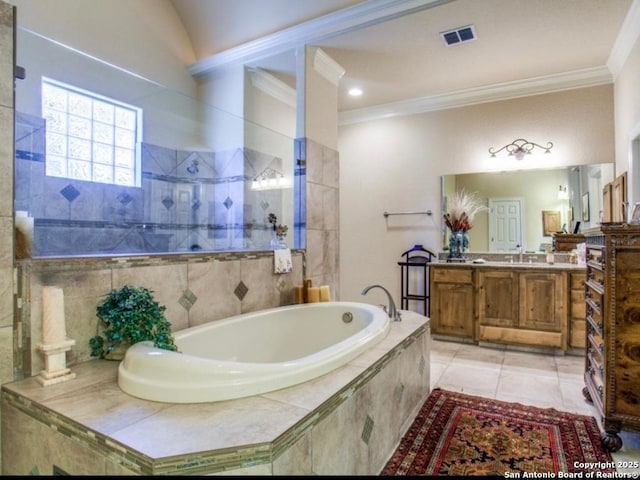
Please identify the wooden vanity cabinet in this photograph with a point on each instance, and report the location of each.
(612, 299)
(525, 307)
(452, 312)
(577, 311)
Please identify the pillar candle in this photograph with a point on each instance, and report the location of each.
(325, 296)
(53, 326)
(298, 294)
(313, 294)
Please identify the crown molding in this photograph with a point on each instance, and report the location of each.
(346, 20)
(587, 77)
(628, 36)
(327, 66)
(272, 86)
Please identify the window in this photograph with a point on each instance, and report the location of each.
(90, 137)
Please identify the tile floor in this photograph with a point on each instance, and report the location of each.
(538, 379)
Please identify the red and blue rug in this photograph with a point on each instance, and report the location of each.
(464, 435)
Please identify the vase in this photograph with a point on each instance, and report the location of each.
(458, 243)
(277, 242)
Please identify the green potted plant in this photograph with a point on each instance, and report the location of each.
(126, 316)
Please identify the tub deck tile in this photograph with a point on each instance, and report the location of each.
(203, 437)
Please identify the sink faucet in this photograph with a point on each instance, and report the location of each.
(520, 253)
(392, 311)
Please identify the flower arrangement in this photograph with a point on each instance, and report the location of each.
(463, 208)
(280, 230)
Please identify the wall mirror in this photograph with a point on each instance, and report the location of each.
(558, 190)
(109, 163)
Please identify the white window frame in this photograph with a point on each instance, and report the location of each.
(137, 141)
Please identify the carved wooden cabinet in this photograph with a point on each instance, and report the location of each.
(526, 307)
(452, 312)
(612, 360)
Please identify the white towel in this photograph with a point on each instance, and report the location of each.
(282, 260)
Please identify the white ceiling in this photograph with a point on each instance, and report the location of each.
(403, 60)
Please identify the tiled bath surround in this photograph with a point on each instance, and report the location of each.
(346, 422)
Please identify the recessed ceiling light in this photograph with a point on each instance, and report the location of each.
(355, 92)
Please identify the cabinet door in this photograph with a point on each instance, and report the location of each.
(498, 298)
(577, 313)
(619, 198)
(542, 305)
(607, 191)
(452, 309)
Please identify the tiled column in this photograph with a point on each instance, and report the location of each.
(319, 128)
(6, 192)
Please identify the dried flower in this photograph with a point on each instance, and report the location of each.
(463, 208)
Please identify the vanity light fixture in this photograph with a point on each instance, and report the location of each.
(269, 179)
(521, 147)
(562, 193)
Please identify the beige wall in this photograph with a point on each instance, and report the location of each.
(395, 165)
(627, 118)
(145, 37)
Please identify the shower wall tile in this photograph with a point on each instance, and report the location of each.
(330, 168)
(6, 353)
(158, 160)
(315, 255)
(6, 167)
(167, 282)
(6, 56)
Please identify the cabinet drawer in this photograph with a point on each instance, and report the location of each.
(594, 297)
(596, 277)
(452, 275)
(594, 316)
(596, 257)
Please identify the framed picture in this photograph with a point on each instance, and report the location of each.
(585, 207)
(635, 215)
(550, 222)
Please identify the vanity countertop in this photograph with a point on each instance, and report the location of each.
(502, 264)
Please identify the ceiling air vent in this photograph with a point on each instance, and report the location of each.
(459, 35)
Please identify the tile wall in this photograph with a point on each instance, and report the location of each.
(188, 201)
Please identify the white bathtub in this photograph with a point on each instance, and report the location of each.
(252, 353)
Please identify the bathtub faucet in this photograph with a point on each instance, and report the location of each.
(392, 311)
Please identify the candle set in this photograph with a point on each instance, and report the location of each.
(307, 293)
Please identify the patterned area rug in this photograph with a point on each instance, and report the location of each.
(459, 434)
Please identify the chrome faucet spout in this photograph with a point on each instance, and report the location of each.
(392, 311)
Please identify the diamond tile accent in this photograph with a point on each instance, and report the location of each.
(228, 202)
(124, 198)
(281, 284)
(195, 205)
(264, 204)
(168, 202)
(70, 193)
(367, 430)
(241, 290)
(188, 299)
